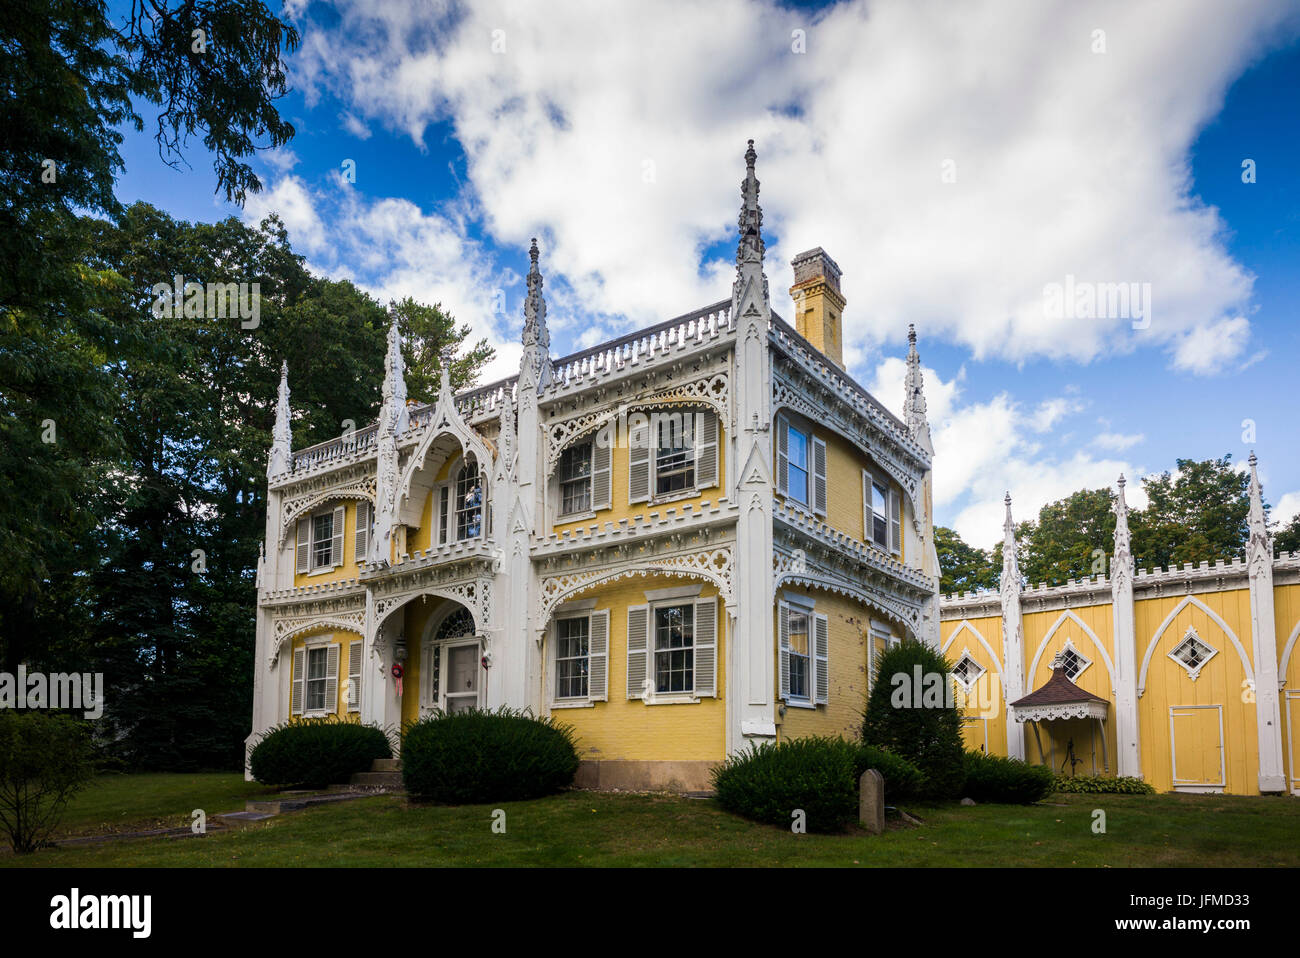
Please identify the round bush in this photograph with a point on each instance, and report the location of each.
(478, 756)
(1085, 784)
(1007, 781)
(770, 781)
(316, 752)
(45, 759)
(918, 724)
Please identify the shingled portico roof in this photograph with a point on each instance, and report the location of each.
(1058, 698)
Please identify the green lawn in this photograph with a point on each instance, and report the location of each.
(585, 828)
(123, 803)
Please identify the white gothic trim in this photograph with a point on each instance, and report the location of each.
(966, 626)
(1069, 615)
(1169, 620)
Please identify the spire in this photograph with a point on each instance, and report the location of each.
(281, 435)
(535, 368)
(1259, 548)
(749, 297)
(1010, 565)
(1121, 565)
(914, 400)
(751, 246)
(393, 415)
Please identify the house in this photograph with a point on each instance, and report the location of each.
(684, 541)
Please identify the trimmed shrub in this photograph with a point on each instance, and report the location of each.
(480, 756)
(910, 723)
(1089, 785)
(45, 759)
(769, 781)
(903, 780)
(316, 752)
(1007, 781)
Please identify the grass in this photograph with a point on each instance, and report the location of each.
(127, 803)
(598, 829)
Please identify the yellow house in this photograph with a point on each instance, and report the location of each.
(684, 541)
(1189, 676)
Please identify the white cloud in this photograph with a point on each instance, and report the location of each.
(1117, 442)
(354, 126)
(618, 140)
(1286, 509)
(292, 200)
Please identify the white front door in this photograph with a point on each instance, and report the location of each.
(461, 668)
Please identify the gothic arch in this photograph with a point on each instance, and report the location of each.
(906, 615)
(965, 626)
(1169, 620)
(303, 505)
(1069, 615)
(292, 628)
(558, 588)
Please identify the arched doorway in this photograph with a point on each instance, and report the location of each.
(455, 679)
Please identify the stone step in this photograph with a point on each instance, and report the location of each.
(371, 779)
(386, 765)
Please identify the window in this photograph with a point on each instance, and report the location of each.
(1192, 653)
(800, 465)
(322, 538)
(572, 648)
(575, 479)
(460, 504)
(675, 648)
(797, 478)
(805, 652)
(879, 515)
(1072, 660)
(800, 656)
(674, 452)
(670, 454)
(317, 679)
(967, 671)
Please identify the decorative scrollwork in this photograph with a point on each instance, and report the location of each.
(714, 565)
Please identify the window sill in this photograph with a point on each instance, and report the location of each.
(673, 698)
(573, 704)
(673, 497)
(800, 703)
(323, 570)
(575, 516)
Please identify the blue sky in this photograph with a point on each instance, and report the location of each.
(618, 141)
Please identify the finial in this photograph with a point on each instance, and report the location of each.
(750, 156)
(532, 255)
(1122, 481)
(1253, 461)
(911, 334)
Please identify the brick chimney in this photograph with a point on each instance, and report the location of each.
(818, 303)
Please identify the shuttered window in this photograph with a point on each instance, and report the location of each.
(782, 455)
(706, 450)
(295, 692)
(706, 646)
(354, 676)
(804, 654)
(819, 477)
(362, 542)
(895, 523)
(304, 545)
(602, 481)
(572, 656)
(638, 624)
(672, 453)
(575, 469)
(875, 510)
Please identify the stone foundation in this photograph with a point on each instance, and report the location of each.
(646, 776)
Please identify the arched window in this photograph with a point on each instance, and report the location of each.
(469, 500)
(459, 623)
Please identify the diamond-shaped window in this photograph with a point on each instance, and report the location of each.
(1192, 653)
(967, 671)
(1072, 660)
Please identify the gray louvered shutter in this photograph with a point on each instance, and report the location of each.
(363, 529)
(602, 481)
(706, 449)
(819, 477)
(782, 454)
(295, 692)
(821, 653)
(336, 544)
(638, 465)
(783, 628)
(598, 657)
(706, 646)
(332, 678)
(638, 651)
(304, 545)
(354, 676)
(866, 506)
(895, 523)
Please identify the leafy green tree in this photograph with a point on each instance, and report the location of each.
(924, 729)
(45, 759)
(1071, 538)
(427, 332)
(963, 568)
(1200, 514)
(1288, 537)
